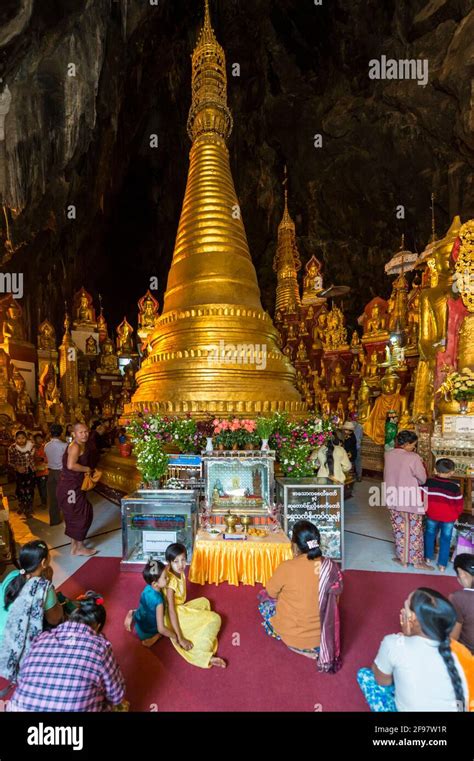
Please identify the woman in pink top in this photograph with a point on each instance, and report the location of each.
(404, 473)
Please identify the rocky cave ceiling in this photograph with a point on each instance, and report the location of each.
(85, 140)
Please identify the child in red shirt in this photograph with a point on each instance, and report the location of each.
(444, 505)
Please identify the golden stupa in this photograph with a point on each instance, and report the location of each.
(287, 262)
(214, 349)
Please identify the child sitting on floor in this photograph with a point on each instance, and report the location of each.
(149, 619)
(463, 601)
(444, 505)
(195, 624)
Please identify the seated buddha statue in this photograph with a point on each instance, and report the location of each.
(109, 364)
(129, 377)
(46, 336)
(301, 354)
(291, 337)
(13, 325)
(389, 400)
(84, 312)
(23, 399)
(372, 366)
(91, 346)
(148, 313)
(124, 338)
(310, 314)
(375, 324)
(108, 407)
(95, 389)
(278, 317)
(287, 351)
(355, 340)
(355, 365)
(337, 382)
(302, 328)
(324, 403)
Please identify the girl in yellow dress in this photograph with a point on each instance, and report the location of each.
(195, 624)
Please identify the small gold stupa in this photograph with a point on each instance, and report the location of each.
(214, 349)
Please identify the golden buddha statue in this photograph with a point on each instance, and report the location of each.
(397, 304)
(278, 317)
(310, 314)
(375, 324)
(129, 377)
(312, 282)
(389, 399)
(372, 366)
(320, 331)
(108, 407)
(287, 351)
(301, 354)
(148, 308)
(338, 382)
(355, 341)
(340, 411)
(84, 312)
(78, 415)
(95, 389)
(102, 328)
(355, 365)
(83, 401)
(109, 363)
(405, 423)
(23, 403)
(13, 325)
(336, 333)
(124, 338)
(302, 329)
(363, 398)
(324, 403)
(6, 408)
(48, 393)
(124, 398)
(91, 346)
(46, 336)
(316, 383)
(434, 322)
(291, 337)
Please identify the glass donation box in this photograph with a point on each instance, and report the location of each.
(319, 501)
(239, 482)
(154, 518)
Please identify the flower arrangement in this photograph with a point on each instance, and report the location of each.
(185, 434)
(152, 461)
(234, 433)
(459, 386)
(295, 462)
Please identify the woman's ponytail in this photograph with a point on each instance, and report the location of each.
(437, 618)
(31, 556)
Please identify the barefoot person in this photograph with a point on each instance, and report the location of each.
(73, 502)
(196, 626)
(404, 474)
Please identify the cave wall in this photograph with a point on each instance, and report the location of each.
(84, 141)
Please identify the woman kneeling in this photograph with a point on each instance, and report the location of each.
(299, 605)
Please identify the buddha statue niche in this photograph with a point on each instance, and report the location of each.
(124, 338)
(375, 324)
(23, 403)
(319, 332)
(13, 325)
(91, 346)
(84, 312)
(389, 400)
(147, 314)
(46, 336)
(109, 364)
(337, 379)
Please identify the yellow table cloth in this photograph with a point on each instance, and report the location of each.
(250, 561)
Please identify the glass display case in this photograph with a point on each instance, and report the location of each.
(239, 482)
(154, 518)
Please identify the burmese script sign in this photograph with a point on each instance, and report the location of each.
(318, 500)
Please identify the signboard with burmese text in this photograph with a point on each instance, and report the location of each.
(319, 501)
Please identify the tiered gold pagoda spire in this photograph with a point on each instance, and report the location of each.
(214, 349)
(287, 261)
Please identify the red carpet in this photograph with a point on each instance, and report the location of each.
(262, 674)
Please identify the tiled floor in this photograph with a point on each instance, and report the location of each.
(368, 536)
